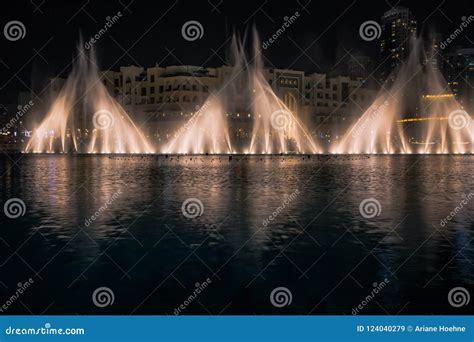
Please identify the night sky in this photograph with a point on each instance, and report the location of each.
(150, 33)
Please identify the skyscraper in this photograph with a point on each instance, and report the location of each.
(459, 72)
(398, 25)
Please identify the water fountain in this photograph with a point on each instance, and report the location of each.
(84, 118)
(417, 113)
(275, 129)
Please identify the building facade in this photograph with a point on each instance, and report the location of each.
(165, 97)
(398, 25)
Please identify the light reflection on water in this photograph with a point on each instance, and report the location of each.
(319, 246)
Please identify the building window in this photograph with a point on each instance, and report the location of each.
(143, 92)
(160, 89)
(152, 90)
(152, 78)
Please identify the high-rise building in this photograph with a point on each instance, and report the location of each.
(459, 72)
(398, 25)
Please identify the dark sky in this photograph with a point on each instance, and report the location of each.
(149, 32)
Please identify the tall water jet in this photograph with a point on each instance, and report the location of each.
(205, 132)
(276, 128)
(85, 118)
(417, 113)
(269, 127)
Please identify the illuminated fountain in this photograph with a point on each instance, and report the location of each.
(275, 129)
(84, 118)
(416, 114)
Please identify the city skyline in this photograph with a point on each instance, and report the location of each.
(326, 60)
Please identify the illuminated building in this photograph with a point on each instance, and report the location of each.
(398, 24)
(459, 72)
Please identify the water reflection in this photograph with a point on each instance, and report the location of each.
(316, 243)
